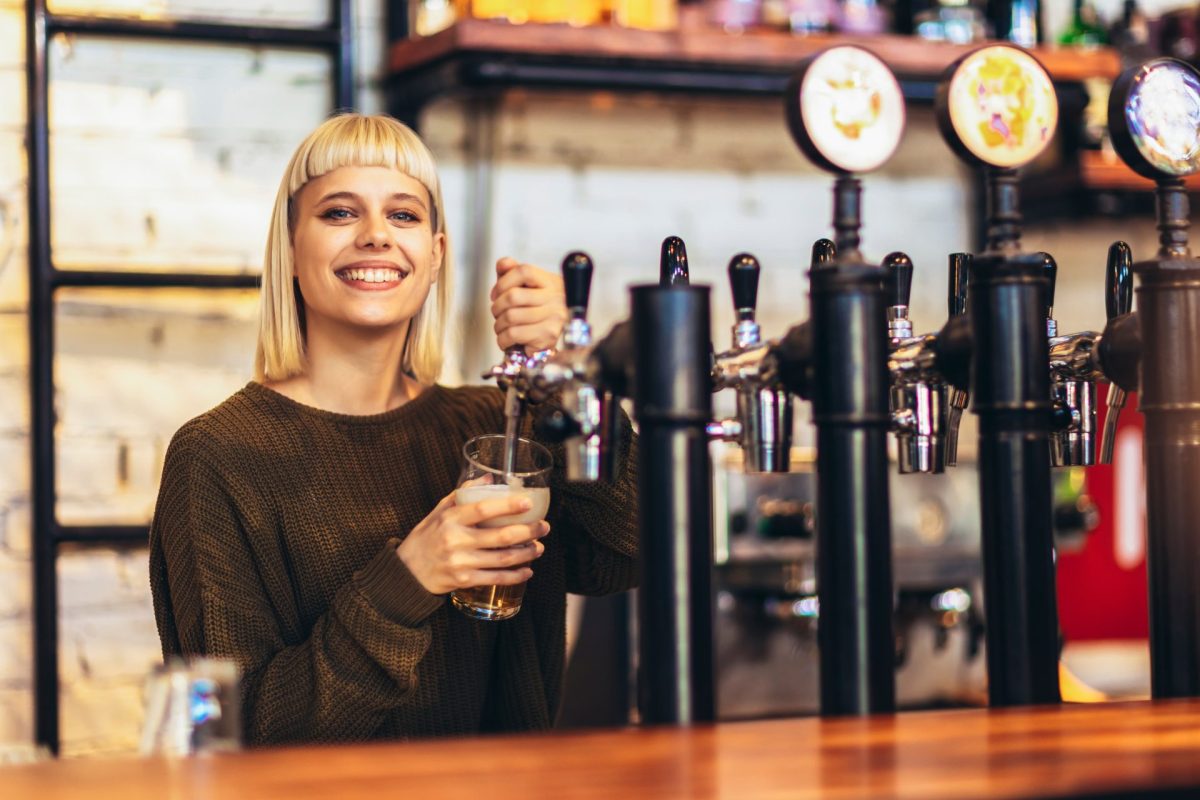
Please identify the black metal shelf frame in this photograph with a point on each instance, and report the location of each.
(335, 38)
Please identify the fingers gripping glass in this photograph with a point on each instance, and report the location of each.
(484, 478)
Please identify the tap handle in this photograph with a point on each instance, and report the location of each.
(960, 273)
(577, 282)
(824, 253)
(1051, 268)
(743, 280)
(673, 263)
(899, 268)
(1118, 280)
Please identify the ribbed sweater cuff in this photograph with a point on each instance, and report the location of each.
(389, 586)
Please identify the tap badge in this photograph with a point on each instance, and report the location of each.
(846, 110)
(1163, 115)
(1001, 105)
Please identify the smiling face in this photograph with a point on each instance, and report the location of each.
(364, 249)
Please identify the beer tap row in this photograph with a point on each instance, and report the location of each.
(866, 373)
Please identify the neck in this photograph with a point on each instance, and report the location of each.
(351, 371)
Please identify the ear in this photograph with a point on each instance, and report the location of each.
(439, 253)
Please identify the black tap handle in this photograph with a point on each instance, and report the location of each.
(673, 263)
(1050, 266)
(1118, 280)
(960, 273)
(824, 253)
(577, 282)
(899, 268)
(743, 280)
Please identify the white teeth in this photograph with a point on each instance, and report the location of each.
(372, 275)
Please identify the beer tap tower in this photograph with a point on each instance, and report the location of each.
(998, 110)
(846, 112)
(660, 358)
(672, 399)
(1154, 119)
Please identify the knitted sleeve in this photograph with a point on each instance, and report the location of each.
(599, 524)
(359, 661)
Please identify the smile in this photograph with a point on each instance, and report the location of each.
(370, 275)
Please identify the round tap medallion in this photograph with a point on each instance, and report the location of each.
(1001, 105)
(847, 111)
(1163, 115)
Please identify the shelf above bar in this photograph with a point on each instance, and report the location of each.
(325, 38)
(476, 52)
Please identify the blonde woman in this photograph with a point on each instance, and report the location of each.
(306, 527)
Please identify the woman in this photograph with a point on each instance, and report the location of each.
(306, 527)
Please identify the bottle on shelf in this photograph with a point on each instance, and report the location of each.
(1085, 29)
(1017, 21)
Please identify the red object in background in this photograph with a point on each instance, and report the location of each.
(1102, 587)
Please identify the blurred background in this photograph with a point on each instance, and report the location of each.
(558, 126)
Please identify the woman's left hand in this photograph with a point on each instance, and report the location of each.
(529, 305)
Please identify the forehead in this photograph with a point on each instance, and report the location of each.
(369, 183)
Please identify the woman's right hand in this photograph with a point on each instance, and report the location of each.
(448, 550)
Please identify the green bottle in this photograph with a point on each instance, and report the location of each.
(1085, 30)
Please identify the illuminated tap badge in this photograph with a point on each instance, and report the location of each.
(1000, 106)
(1162, 113)
(846, 110)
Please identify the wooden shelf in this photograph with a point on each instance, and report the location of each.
(477, 53)
(1106, 172)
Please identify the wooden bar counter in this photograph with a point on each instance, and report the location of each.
(1111, 750)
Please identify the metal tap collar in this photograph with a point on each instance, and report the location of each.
(899, 325)
(746, 334)
(578, 333)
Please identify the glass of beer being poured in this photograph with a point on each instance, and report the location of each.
(486, 475)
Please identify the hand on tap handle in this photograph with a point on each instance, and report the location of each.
(528, 305)
(1118, 301)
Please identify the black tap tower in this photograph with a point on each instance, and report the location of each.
(672, 395)
(1154, 117)
(849, 392)
(1010, 391)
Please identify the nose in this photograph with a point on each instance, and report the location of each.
(375, 234)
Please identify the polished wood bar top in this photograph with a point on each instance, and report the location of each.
(1115, 750)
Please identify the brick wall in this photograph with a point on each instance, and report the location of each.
(154, 170)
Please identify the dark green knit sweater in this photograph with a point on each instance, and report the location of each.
(274, 544)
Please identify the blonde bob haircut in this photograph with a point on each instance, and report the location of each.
(346, 140)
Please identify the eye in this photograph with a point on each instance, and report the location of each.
(405, 215)
(336, 213)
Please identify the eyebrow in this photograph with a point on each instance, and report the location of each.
(402, 196)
